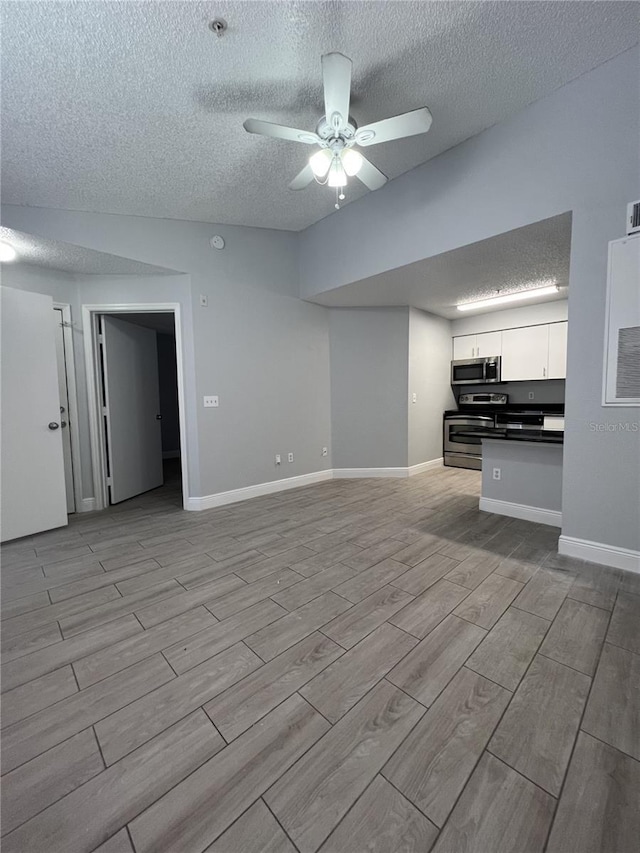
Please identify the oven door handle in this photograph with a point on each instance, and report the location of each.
(468, 420)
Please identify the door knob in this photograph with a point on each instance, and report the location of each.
(53, 425)
(158, 417)
(63, 424)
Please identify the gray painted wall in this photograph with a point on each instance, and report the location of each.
(531, 474)
(429, 361)
(555, 156)
(369, 380)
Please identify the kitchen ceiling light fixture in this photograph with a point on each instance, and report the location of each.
(337, 133)
(7, 252)
(547, 290)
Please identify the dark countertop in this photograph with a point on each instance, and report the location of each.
(542, 409)
(540, 436)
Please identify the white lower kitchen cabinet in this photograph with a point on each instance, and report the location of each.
(557, 351)
(525, 353)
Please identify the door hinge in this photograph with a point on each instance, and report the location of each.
(104, 410)
(109, 482)
(100, 338)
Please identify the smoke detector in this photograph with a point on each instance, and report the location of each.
(218, 26)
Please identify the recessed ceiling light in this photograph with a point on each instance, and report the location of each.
(7, 252)
(532, 293)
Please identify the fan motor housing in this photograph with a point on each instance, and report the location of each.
(325, 131)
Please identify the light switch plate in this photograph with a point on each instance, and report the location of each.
(211, 402)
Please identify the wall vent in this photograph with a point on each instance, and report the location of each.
(621, 381)
(633, 217)
(628, 367)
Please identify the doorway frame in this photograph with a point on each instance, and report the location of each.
(92, 364)
(72, 395)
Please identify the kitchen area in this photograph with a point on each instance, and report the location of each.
(509, 422)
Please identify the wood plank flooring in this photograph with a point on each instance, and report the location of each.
(360, 666)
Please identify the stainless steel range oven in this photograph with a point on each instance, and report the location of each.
(476, 412)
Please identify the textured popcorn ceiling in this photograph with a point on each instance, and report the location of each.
(517, 260)
(73, 259)
(137, 108)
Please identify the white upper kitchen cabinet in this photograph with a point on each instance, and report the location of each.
(525, 353)
(464, 347)
(488, 344)
(477, 346)
(557, 351)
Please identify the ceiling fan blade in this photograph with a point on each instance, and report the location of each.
(371, 176)
(302, 179)
(407, 124)
(279, 131)
(336, 76)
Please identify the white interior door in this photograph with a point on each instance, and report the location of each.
(63, 392)
(132, 408)
(33, 488)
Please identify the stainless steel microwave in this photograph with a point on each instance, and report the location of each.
(476, 371)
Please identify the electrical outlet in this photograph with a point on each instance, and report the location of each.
(278, 460)
(204, 300)
(531, 395)
(325, 451)
(414, 398)
(497, 473)
(211, 402)
(290, 457)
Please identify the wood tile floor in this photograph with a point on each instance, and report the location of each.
(361, 665)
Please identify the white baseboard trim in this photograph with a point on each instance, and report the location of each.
(171, 454)
(257, 491)
(87, 505)
(421, 467)
(528, 513)
(354, 473)
(357, 473)
(261, 489)
(598, 552)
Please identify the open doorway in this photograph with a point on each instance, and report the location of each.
(136, 400)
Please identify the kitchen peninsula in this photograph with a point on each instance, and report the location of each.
(522, 474)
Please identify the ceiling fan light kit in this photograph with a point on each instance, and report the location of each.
(7, 252)
(337, 134)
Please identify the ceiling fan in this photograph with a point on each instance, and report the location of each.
(337, 134)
